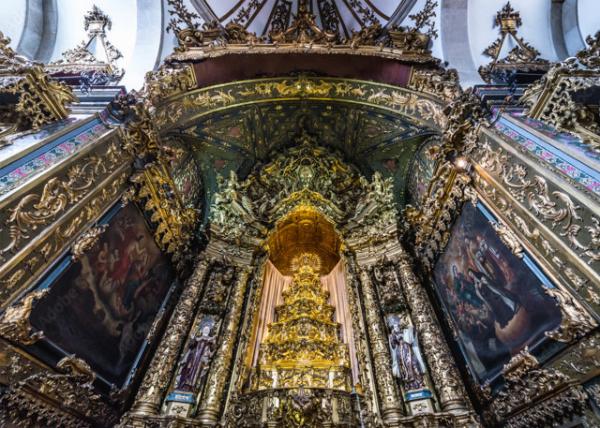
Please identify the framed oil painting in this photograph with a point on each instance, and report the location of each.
(101, 307)
(496, 300)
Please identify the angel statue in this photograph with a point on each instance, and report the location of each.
(407, 362)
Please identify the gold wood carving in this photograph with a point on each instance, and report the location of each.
(553, 98)
(303, 347)
(300, 34)
(169, 81)
(158, 375)
(14, 323)
(35, 210)
(241, 373)
(75, 202)
(80, 61)
(184, 108)
(363, 351)
(523, 57)
(38, 99)
(175, 222)
(86, 241)
(583, 359)
(66, 398)
(549, 219)
(575, 320)
(445, 375)
(214, 392)
(387, 389)
(534, 396)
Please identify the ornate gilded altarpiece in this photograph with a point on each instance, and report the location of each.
(229, 170)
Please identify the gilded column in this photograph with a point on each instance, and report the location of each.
(391, 404)
(451, 391)
(214, 391)
(156, 380)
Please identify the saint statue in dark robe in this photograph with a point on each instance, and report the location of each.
(197, 360)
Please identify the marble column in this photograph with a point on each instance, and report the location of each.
(214, 391)
(156, 380)
(444, 373)
(389, 397)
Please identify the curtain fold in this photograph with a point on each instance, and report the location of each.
(273, 285)
(335, 283)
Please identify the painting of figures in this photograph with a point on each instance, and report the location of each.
(101, 307)
(496, 302)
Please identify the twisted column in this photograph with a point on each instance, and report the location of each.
(390, 400)
(150, 394)
(214, 392)
(445, 375)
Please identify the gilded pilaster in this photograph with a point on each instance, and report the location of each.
(214, 392)
(451, 391)
(390, 402)
(150, 394)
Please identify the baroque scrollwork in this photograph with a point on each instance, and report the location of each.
(556, 208)
(551, 391)
(175, 222)
(303, 31)
(81, 61)
(36, 210)
(559, 97)
(38, 100)
(14, 323)
(304, 175)
(86, 241)
(523, 57)
(426, 109)
(156, 379)
(65, 397)
(576, 322)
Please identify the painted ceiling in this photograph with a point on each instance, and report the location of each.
(245, 138)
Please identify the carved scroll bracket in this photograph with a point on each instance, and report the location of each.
(86, 241)
(159, 373)
(14, 322)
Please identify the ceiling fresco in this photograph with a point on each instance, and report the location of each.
(243, 138)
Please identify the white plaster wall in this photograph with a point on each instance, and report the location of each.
(588, 13)
(12, 19)
(536, 29)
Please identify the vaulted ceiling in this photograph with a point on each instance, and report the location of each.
(245, 138)
(43, 29)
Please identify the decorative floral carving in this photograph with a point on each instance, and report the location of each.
(556, 207)
(14, 322)
(80, 59)
(303, 29)
(156, 379)
(86, 241)
(534, 396)
(66, 398)
(523, 57)
(445, 375)
(38, 100)
(169, 81)
(205, 100)
(575, 320)
(38, 209)
(556, 97)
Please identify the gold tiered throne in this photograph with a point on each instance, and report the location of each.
(303, 347)
(303, 376)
